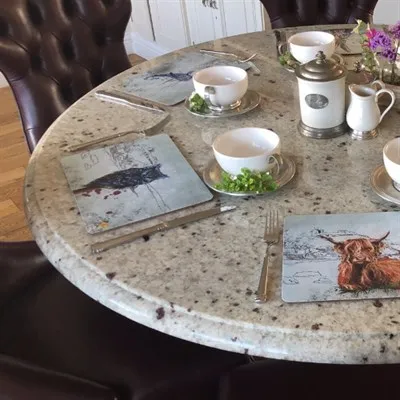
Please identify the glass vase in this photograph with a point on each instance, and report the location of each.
(371, 63)
(390, 72)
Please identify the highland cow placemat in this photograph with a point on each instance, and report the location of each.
(341, 257)
(130, 182)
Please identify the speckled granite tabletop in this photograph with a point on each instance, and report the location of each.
(197, 282)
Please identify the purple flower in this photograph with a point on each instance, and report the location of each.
(389, 54)
(373, 44)
(383, 40)
(380, 39)
(395, 30)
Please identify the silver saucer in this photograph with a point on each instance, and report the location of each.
(212, 176)
(249, 102)
(382, 185)
(364, 135)
(335, 57)
(317, 133)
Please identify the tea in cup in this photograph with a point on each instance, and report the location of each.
(304, 46)
(391, 159)
(222, 87)
(256, 149)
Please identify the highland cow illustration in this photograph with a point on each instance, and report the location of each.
(361, 266)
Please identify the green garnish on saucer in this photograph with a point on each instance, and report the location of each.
(287, 60)
(197, 104)
(247, 181)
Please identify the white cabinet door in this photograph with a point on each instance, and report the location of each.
(141, 19)
(232, 17)
(169, 21)
(160, 26)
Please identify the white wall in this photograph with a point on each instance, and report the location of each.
(3, 81)
(387, 12)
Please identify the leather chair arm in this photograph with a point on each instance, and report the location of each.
(288, 13)
(21, 263)
(22, 381)
(53, 52)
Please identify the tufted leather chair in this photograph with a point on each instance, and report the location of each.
(57, 330)
(288, 13)
(24, 381)
(54, 51)
(300, 380)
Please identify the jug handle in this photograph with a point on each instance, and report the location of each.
(392, 95)
(379, 85)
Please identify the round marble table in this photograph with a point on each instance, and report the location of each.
(197, 282)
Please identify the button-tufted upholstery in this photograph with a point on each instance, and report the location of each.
(299, 380)
(286, 13)
(47, 322)
(54, 51)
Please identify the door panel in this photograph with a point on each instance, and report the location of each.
(232, 17)
(170, 23)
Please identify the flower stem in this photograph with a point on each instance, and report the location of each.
(393, 76)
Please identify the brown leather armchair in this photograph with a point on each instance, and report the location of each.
(53, 52)
(287, 13)
(298, 380)
(46, 321)
(23, 381)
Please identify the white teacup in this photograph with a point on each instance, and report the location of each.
(222, 87)
(254, 148)
(304, 46)
(391, 159)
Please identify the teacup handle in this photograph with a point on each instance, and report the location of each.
(281, 45)
(380, 85)
(392, 95)
(339, 58)
(208, 91)
(278, 160)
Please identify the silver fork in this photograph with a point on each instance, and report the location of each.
(271, 236)
(223, 53)
(256, 70)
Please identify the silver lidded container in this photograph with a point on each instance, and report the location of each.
(322, 91)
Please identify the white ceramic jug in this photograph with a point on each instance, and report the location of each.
(363, 115)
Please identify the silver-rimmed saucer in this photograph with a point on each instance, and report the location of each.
(212, 176)
(249, 102)
(382, 185)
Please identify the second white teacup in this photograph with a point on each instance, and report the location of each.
(304, 46)
(254, 148)
(391, 159)
(222, 87)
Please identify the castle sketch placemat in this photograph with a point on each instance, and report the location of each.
(131, 182)
(341, 257)
(170, 83)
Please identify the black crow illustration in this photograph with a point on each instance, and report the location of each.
(128, 178)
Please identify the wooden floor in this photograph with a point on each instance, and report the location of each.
(14, 158)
